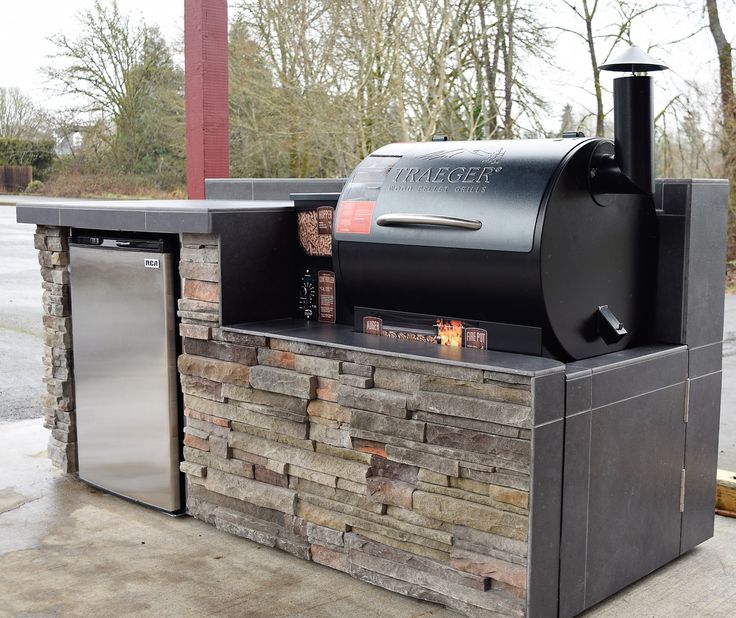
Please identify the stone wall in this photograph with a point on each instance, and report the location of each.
(58, 402)
(410, 475)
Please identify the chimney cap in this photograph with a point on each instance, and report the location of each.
(633, 60)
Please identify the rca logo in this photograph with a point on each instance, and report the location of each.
(151, 263)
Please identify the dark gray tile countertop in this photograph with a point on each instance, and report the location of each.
(162, 216)
(344, 337)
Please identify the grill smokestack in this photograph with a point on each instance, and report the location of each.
(631, 168)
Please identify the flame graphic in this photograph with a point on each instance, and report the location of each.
(450, 332)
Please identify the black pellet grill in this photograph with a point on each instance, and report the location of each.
(550, 244)
(506, 232)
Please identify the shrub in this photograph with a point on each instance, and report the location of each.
(35, 186)
(18, 151)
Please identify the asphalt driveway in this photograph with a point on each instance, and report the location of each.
(21, 331)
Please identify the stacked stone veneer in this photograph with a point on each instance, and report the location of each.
(58, 402)
(410, 475)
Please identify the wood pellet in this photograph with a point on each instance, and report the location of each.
(313, 243)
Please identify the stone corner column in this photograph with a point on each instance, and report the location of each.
(57, 402)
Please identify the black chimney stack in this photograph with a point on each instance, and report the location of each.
(631, 169)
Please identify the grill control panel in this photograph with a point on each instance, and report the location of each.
(307, 296)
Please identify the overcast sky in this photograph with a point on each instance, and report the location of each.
(25, 26)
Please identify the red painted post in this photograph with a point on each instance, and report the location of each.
(205, 92)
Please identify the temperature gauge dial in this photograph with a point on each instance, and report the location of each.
(307, 296)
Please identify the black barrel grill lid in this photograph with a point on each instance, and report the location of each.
(499, 184)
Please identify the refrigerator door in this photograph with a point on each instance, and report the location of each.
(123, 326)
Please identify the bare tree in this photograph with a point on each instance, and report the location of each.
(340, 78)
(368, 54)
(600, 41)
(490, 62)
(116, 68)
(728, 112)
(297, 40)
(20, 117)
(432, 55)
(526, 42)
(686, 148)
(256, 136)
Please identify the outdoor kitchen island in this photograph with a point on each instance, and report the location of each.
(490, 482)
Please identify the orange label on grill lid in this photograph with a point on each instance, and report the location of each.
(355, 217)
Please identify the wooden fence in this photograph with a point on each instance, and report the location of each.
(15, 178)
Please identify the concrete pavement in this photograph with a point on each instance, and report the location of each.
(69, 550)
(727, 438)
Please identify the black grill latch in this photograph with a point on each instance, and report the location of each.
(609, 327)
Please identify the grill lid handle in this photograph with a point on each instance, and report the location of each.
(399, 219)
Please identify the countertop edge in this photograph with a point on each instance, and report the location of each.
(156, 216)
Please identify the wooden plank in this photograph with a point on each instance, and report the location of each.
(15, 178)
(726, 493)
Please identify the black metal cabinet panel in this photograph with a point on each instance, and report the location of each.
(669, 320)
(573, 544)
(636, 452)
(705, 359)
(706, 259)
(545, 513)
(624, 452)
(639, 376)
(691, 216)
(578, 391)
(701, 460)
(548, 398)
(257, 265)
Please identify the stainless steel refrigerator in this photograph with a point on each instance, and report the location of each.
(125, 376)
